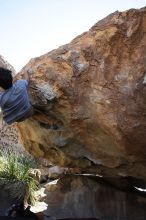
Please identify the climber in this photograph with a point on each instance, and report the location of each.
(14, 100)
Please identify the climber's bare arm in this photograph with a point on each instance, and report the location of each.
(16, 77)
(26, 76)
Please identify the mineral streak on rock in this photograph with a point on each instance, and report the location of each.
(92, 99)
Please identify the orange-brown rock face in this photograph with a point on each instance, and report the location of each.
(93, 97)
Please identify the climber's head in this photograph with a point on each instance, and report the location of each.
(6, 78)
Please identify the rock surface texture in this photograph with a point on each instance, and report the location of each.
(92, 99)
(9, 194)
(5, 64)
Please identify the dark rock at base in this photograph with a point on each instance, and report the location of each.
(83, 197)
(11, 192)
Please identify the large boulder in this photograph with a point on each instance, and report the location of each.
(91, 95)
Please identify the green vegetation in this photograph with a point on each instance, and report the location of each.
(16, 167)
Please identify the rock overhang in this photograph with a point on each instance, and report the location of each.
(92, 97)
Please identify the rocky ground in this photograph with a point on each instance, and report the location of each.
(81, 196)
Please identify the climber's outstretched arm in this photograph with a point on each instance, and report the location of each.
(26, 76)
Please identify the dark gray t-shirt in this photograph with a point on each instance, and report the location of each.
(14, 102)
